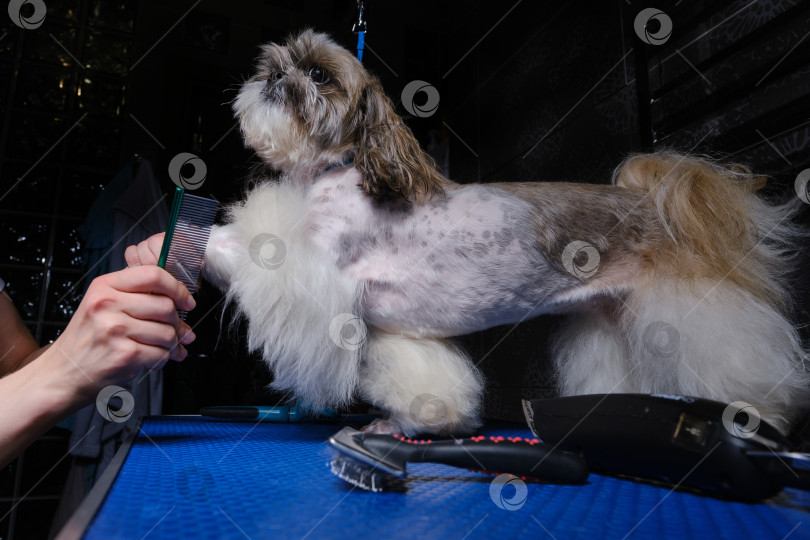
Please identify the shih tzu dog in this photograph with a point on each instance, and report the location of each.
(356, 266)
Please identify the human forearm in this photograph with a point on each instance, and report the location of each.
(17, 346)
(126, 322)
(36, 353)
(31, 401)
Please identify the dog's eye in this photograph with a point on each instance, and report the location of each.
(319, 75)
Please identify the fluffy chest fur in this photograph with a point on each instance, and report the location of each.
(458, 263)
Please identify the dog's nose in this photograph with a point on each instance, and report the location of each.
(276, 76)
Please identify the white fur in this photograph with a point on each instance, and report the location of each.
(271, 132)
(289, 307)
(710, 340)
(422, 384)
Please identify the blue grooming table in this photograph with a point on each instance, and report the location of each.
(197, 477)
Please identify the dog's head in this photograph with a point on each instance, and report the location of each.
(311, 103)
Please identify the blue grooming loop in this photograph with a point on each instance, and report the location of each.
(196, 477)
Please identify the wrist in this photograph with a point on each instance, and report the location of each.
(56, 384)
(47, 387)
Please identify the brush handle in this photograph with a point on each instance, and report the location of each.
(494, 454)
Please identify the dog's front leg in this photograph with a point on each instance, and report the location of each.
(222, 255)
(424, 385)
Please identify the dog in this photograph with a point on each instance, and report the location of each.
(357, 264)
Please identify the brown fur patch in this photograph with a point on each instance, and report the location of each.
(620, 223)
(706, 209)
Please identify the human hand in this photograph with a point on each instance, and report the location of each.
(147, 252)
(126, 322)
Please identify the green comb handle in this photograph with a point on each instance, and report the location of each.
(167, 239)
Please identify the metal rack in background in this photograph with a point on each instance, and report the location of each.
(733, 78)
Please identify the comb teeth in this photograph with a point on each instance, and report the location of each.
(189, 240)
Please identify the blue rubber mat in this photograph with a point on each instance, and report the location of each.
(192, 477)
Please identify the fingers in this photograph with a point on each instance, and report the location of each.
(151, 280)
(131, 256)
(149, 250)
(150, 344)
(146, 300)
(159, 309)
(155, 358)
(185, 333)
(158, 335)
(146, 252)
(181, 332)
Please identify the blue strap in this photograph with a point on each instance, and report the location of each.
(339, 164)
(361, 37)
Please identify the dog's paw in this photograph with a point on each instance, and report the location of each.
(383, 427)
(222, 255)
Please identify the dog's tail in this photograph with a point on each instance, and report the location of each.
(718, 227)
(711, 315)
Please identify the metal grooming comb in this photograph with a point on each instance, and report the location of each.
(186, 238)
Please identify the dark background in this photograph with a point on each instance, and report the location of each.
(530, 90)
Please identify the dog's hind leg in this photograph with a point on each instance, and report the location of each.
(591, 356)
(710, 340)
(718, 341)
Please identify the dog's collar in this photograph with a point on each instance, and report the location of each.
(338, 164)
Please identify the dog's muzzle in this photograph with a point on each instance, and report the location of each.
(274, 88)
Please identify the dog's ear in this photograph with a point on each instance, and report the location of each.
(388, 155)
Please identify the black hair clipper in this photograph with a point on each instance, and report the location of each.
(684, 441)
